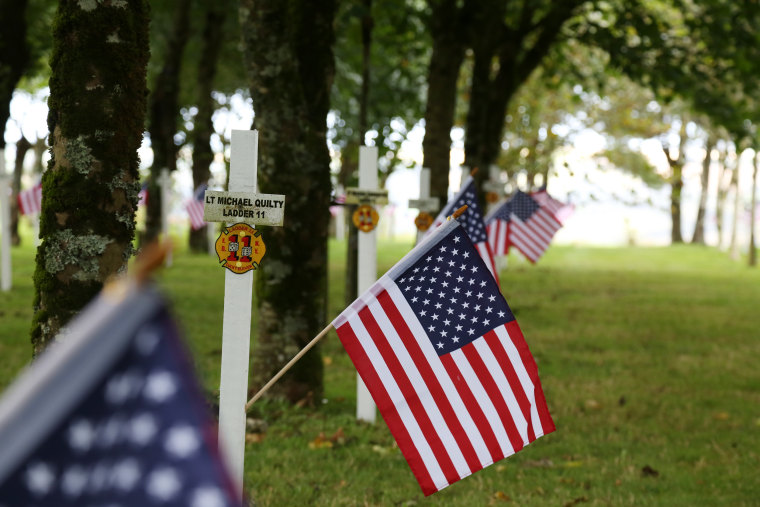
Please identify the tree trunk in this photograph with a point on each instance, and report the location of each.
(734, 243)
(676, 184)
(724, 182)
(290, 64)
(518, 52)
(753, 213)
(203, 156)
(447, 26)
(96, 118)
(163, 116)
(14, 57)
(699, 224)
(22, 146)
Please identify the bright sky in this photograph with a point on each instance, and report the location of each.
(604, 221)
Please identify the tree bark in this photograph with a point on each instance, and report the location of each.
(699, 224)
(518, 51)
(753, 213)
(22, 146)
(676, 185)
(290, 64)
(163, 116)
(14, 56)
(96, 117)
(734, 243)
(724, 182)
(203, 156)
(448, 24)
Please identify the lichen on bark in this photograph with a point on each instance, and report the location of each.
(96, 117)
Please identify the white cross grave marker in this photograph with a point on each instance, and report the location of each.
(241, 205)
(164, 182)
(5, 226)
(367, 193)
(425, 203)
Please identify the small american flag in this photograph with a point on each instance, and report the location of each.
(111, 415)
(497, 228)
(559, 209)
(194, 207)
(142, 196)
(531, 227)
(30, 201)
(472, 220)
(445, 361)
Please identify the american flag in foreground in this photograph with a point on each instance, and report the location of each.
(30, 201)
(194, 207)
(472, 221)
(445, 361)
(111, 415)
(497, 228)
(529, 227)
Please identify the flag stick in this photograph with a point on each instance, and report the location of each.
(287, 366)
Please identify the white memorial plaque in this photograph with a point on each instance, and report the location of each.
(366, 196)
(262, 209)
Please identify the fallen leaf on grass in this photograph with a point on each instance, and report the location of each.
(572, 464)
(592, 405)
(539, 463)
(320, 442)
(648, 471)
(327, 360)
(576, 501)
(254, 438)
(501, 496)
(721, 416)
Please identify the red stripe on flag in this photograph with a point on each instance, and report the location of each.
(497, 349)
(385, 405)
(488, 383)
(487, 255)
(515, 333)
(410, 396)
(426, 372)
(469, 400)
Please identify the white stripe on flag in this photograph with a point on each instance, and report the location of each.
(492, 415)
(397, 399)
(522, 374)
(459, 407)
(502, 383)
(485, 253)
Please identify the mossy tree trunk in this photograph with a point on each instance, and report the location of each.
(96, 117)
(290, 63)
(203, 126)
(14, 57)
(163, 112)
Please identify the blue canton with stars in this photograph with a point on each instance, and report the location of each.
(503, 213)
(523, 205)
(472, 220)
(453, 294)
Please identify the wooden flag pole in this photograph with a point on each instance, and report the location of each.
(288, 366)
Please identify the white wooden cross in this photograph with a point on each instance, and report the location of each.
(495, 185)
(241, 204)
(425, 203)
(164, 183)
(367, 193)
(5, 227)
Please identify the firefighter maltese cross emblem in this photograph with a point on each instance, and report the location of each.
(240, 248)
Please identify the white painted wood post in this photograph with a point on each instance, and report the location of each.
(211, 235)
(340, 217)
(164, 182)
(5, 227)
(424, 194)
(236, 330)
(367, 269)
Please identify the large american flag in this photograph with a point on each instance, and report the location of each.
(194, 207)
(111, 415)
(30, 201)
(445, 361)
(472, 220)
(530, 227)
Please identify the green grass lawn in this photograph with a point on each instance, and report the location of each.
(648, 362)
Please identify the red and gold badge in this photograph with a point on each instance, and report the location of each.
(423, 221)
(365, 218)
(240, 248)
(492, 197)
